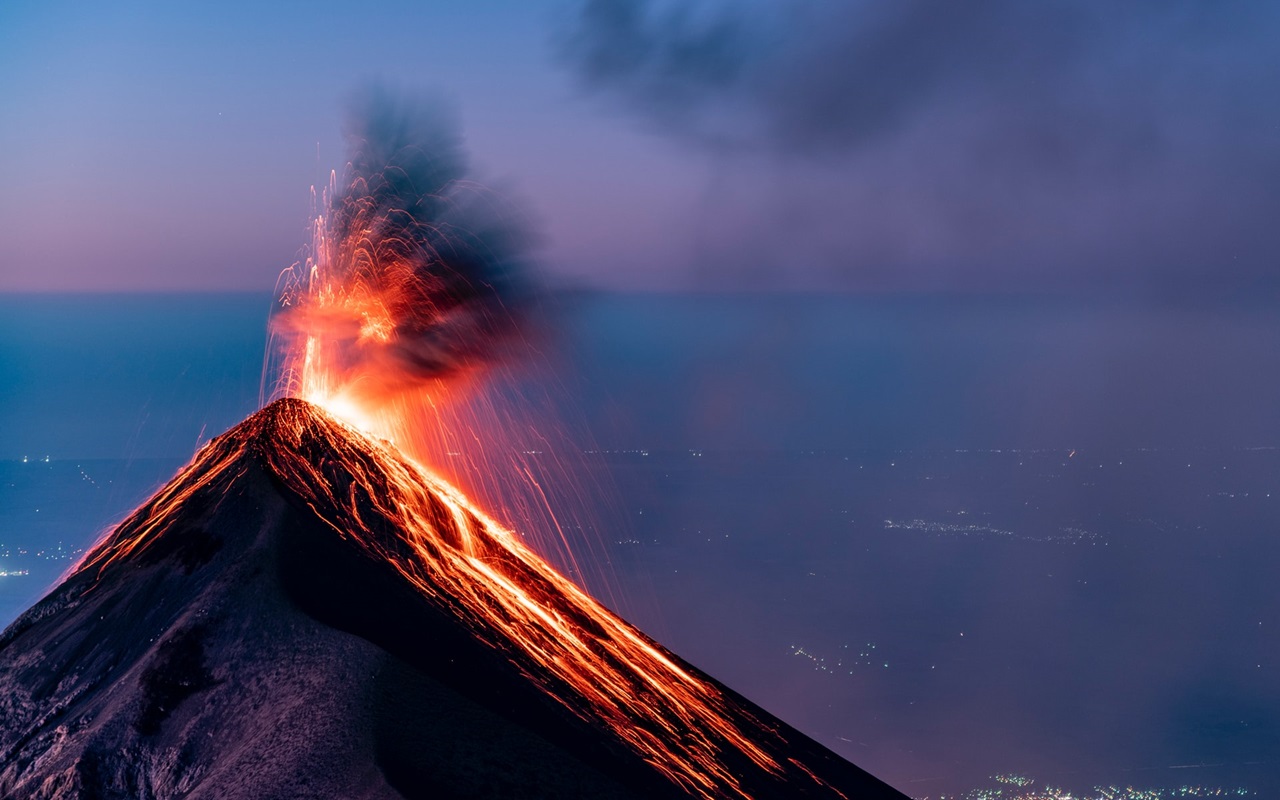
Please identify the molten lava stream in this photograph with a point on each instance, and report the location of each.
(597, 665)
(459, 556)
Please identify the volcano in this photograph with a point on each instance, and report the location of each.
(303, 612)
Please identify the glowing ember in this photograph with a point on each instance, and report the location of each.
(412, 280)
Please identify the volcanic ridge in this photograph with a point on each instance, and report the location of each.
(303, 612)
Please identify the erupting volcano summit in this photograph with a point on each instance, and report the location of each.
(304, 612)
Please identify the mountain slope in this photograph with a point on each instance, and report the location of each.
(303, 613)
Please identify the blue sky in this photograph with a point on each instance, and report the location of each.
(150, 147)
(797, 144)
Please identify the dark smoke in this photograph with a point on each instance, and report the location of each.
(979, 144)
(443, 256)
(822, 75)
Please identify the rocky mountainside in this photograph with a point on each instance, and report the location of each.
(303, 613)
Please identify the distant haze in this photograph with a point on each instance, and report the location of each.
(150, 376)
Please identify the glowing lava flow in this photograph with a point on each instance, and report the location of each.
(460, 557)
(397, 303)
(593, 662)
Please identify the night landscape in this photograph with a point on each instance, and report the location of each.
(624, 398)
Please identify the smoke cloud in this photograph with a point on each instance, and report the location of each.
(416, 273)
(815, 77)
(993, 142)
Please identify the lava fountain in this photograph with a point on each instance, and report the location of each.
(412, 284)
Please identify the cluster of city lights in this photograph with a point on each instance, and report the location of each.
(1013, 786)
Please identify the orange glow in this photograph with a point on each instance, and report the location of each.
(377, 323)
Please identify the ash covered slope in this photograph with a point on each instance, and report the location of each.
(286, 619)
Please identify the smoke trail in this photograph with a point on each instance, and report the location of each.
(415, 274)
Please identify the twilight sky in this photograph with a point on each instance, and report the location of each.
(992, 145)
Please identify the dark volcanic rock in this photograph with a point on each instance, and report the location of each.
(249, 650)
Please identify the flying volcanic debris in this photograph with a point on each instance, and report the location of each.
(414, 275)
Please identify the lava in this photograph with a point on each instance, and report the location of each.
(583, 655)
(398, 305)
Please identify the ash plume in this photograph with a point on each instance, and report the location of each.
(416, 273)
